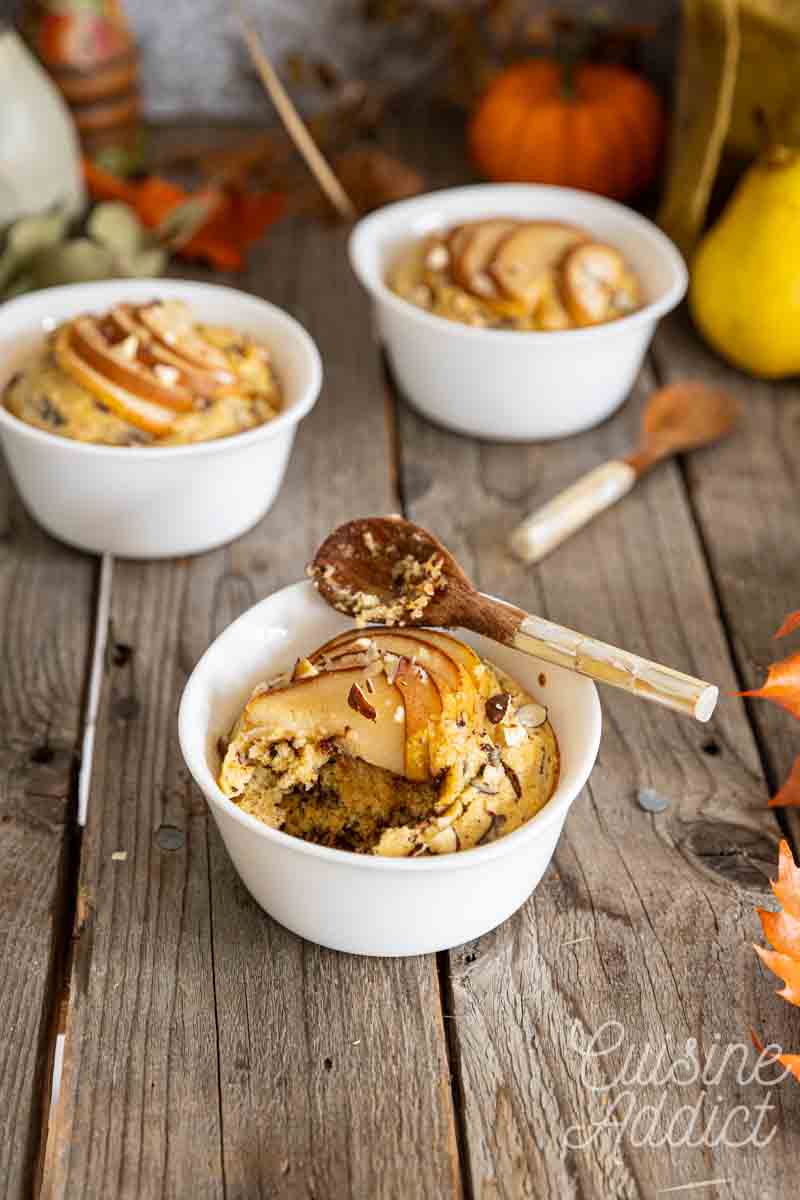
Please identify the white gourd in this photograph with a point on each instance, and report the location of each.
(39, 155)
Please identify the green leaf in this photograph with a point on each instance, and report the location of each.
(144, 264)
(116, 226)
(26, 238)
(78, 261)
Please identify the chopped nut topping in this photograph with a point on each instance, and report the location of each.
(482, 285)
(497, 707)
(360, 704)
(391, 665)
(531, 716)
(168, 375)
(304, 669)
(438, 258)
(513, 779)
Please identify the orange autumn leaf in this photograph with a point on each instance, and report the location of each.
(789, 794)
(782, 930)
(790, 1061)
(238, 219)
(790, 623)
(104, 185)
(782, 685)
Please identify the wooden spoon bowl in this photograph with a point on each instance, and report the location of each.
(391, 572)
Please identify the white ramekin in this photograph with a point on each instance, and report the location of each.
(141, 502)
(358, 903)
(506, 385)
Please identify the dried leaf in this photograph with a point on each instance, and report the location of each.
(789, 794)
(782, 685)
(782, 930)
(790, 1061)
(188, 217)
(790, 623)
(214, 224)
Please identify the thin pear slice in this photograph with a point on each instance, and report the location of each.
(551, 312)
(317, 707)
(129, 373)
(423, 709)
(143, 414)
(456, 688)
(123, 318)
(591, 276)
(170, 322)
(461, 652)
(470, 268)
(404, 643)
(523, 258)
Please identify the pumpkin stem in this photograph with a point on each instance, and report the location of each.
(573, 41)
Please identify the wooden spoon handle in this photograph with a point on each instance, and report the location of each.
(571, 510)
(619, 668)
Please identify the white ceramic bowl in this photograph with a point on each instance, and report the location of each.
(154, 502)
(359, 903)
(507, 385)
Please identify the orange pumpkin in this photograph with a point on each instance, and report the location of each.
(591, 125)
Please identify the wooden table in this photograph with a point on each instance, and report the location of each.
(210, 1053)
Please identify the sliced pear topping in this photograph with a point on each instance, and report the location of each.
(551, 313)
(143, 414)
(455, 685)
(471, 267)
(120, 364)
(124, 319)
(423, 709)
(523, 259)
(318, 707)
(170, 322)
(592, 275)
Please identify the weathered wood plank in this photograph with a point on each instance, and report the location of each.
(646, 920)
(208, 1050)
(746, 497)
(46, 595)
(332, 1066)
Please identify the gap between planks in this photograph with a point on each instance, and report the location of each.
(443, 965)
(789, 830)
(102, 613)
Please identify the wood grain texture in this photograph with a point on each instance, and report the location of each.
(646, 920)
(45, 631)
(209, 1051)
(746, 498)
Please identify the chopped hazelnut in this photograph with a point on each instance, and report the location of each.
(497, 707)
(360, 704)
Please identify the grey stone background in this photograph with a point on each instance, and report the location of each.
(195, 65)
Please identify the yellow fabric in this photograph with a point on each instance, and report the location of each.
(738, 71)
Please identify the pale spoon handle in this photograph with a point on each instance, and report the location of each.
(619, 668)
(562, 516)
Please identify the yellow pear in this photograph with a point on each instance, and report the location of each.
(745, 286)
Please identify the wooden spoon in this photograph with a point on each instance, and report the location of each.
(388, 571)
(677, 418)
